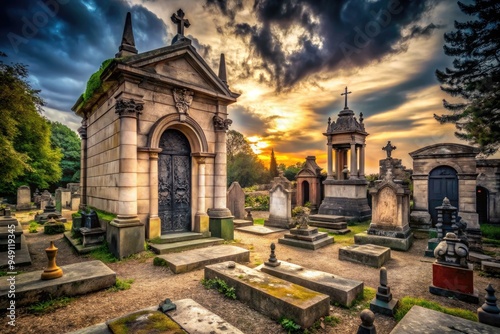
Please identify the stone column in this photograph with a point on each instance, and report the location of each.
(362, 161)
(126, 232)
(329, 157)
(83, 164)
(221, 218)
(201, 222)
(354, 168)
(154, 224)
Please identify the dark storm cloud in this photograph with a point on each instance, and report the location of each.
(64, 42)
(246, 121)
(353, 33)
(228, 8)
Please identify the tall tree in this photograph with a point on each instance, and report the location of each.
(25, 153)
(273, 166)
(69, 143)
(236, 143)
(475, 76)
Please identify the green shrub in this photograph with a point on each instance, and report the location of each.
(33, 227)
(54, 228)
(490, 231)
(257, 202)
(221, 286)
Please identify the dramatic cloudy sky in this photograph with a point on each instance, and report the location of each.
(290, 60)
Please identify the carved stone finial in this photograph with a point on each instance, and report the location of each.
(273, 261)
(183, 99)
(361, 117)
(52, 271)
(446, 202)
(383, 276)
(345, 94)
(222, 69)
(452, 251)
(181, 22)
(221, 124)
(367, 319)
(127, 47)
(128, 108)
(489, 313)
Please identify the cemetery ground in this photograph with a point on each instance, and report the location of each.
(409, 274)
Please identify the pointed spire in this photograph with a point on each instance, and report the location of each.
(127, 47)
(222, 70)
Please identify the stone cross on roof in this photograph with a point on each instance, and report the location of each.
(346, 92)
(388, 148)
(178, 18)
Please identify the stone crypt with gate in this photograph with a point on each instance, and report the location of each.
(154, 141)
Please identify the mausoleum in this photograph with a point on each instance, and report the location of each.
(154, 141)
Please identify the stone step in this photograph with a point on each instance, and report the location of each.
(324, 240)
(341, 290)
(177, 237)
(339, 232)
(199, 258)
(272, 296)
(327, 218)
(242, 223)
(341, 225)
(185, 245)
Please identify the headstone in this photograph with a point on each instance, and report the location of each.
(59, 204)
(91, 230)
(367, 320)
(383, 302)
(452, 276)
(390, 215)
(75, 202)
(369, 255)
(280, 203)
(66, 198)
(489, 313)
(236, 200)
(48, 212)
(37, 198)
(23, 198)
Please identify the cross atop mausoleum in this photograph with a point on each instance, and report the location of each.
(388, 148)
(346, 92)
(178, 18)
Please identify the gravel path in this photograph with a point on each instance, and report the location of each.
(409, 274)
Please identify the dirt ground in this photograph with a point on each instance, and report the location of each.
(409, 274)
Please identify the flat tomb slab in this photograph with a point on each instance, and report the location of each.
(23, 257)
(272, 296)
(370, 255)
(341, 290)
(195, 319)
(198, 258)
(260, 229)
(78, 279)
(421, 320)
(491, 267)
(401, 244)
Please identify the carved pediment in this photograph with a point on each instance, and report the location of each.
(445, 150)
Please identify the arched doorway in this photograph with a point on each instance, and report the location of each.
(305, 192)
(174, 182)
(482, 198)
(443, 182)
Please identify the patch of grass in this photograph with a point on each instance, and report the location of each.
(76, 215)
(103, 254)
(49, 305)
(68, 226)
(491, 231)
(221, 286)
(348, 239)
(33, 227)
(321, 323)
(159, 262)
(492, 242)
(258, 221)
(289, 325)
(121, 284)
(364, 301)
(406, 303)
(104, 215)
(156, 240)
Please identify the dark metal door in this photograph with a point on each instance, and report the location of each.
(482, 196)
(174, 182)
(443, 182)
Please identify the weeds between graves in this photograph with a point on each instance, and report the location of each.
(292, 328)
(50, 305)
(33, 227)
(406, 303)
(348, 239)
(289, 325)
(121, 284)
(363, 301)
(221, 286)
(258, 221)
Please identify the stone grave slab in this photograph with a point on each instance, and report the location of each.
(401, 244)
(198, 258)
(490, 267)
(260, 229)
(78, 279)
(370, 255)
(23, 257)
(420, 320)
(478, 257)
(270, 295)
(341, 290)
(78, 246)
(196, 319)
(242, 223)
(144, 321)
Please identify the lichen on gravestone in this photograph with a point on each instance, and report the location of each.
(145, 322)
